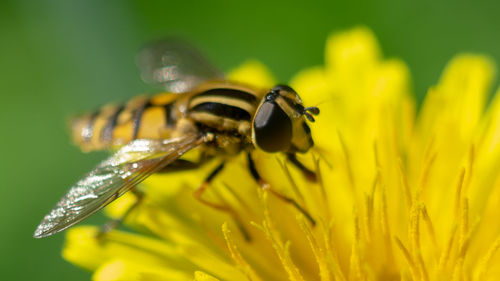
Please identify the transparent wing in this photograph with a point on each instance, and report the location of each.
(111, 178)
(175, 66)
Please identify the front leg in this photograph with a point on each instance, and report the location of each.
(310, 175)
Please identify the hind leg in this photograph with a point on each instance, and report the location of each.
(265, 186)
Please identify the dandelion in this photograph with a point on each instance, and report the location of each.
(401, 195)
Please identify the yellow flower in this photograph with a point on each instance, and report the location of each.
(401, 196)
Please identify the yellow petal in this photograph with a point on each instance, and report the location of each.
(487, 153)
(390, 82)
(86, 250)
(464, 88)
(453, 108)
(118, 207)
(352, 50)
(490, 137)
(125, 270)
(313, 87)
(350, 58)
(205, 259)
(82, 249)
(448, 120)
(254, 73)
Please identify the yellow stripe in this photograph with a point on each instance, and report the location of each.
(291, 112)
(152, 120)
(163, 98)
(217, 122)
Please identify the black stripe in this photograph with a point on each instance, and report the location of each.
(90, 126)
(138, 117)
(107, 131)
(169, 120)
(223, 110)
(229, 93)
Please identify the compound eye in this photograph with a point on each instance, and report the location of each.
(272, 128)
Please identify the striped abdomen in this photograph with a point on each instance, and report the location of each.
(224, 107)
(116, 125)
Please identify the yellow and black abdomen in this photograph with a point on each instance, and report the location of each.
(226, 108)
(115, 125)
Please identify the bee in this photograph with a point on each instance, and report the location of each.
(200, 109)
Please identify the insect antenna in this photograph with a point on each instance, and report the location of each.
(309, 112)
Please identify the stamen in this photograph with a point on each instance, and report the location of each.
(459, 264)
(445, 255)
(347, 158)
(485, 262)
(331, 253)
(404, 183)
(369, 209)
(318, 250)
(236, 255)
(470, 162)
(384, 216)
(425, 174)
(464, 224)
(292, 182)
(430, 229)
(324, 196)
(409, 260)
(282, 249)
(355, 271)
(458, 193)
(415, 241)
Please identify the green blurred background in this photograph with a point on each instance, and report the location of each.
(59, 57)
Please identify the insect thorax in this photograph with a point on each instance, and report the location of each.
(224, 107)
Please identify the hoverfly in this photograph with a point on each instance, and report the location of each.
(201, 109)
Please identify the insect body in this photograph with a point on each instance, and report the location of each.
(221, 107)
(201, 110)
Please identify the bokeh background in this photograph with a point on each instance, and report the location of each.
(60, 57)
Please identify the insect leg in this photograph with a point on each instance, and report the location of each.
(310, 175)
(265, 185)
(180, 165)
(184, 165)
(115, 223)
(204, 186)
